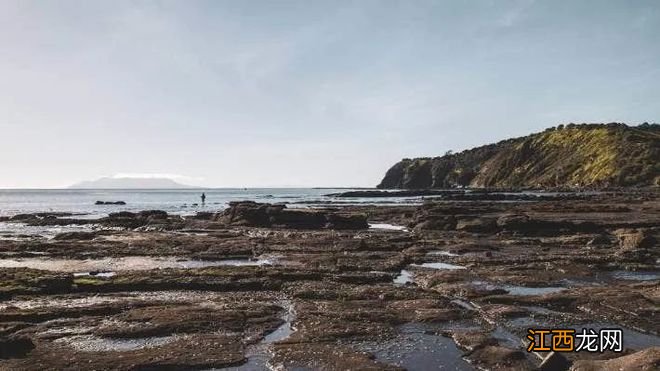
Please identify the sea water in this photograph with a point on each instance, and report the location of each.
(183, 201)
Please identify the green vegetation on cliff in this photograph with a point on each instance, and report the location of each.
(587, 155)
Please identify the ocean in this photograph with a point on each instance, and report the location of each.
(175, 201)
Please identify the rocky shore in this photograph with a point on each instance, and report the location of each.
(456, 281)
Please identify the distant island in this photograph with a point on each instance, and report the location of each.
(567, 156)
(130, 183)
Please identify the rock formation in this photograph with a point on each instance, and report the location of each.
(249, 213)
(572, 156)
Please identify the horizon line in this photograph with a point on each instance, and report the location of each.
(175, 189)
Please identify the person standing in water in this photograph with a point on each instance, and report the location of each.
(203, 197)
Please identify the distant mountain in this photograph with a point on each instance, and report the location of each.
(575, 156)
(130, 183)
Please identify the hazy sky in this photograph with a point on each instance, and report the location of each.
(305, 93)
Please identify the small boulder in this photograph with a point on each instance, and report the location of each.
(635, 239)
(635, 245)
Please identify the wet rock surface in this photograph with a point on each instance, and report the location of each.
(110, 203)
(254, 214)
(456, 283)
(15, 347)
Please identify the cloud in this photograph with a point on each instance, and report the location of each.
(516, 13)
(177, 177)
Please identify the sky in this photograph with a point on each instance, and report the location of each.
(304, 93)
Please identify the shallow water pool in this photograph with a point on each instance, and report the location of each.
(123, 263)
(438, 266)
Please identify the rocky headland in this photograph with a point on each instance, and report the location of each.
(591, 156)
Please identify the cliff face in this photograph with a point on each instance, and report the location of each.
(588, 155)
